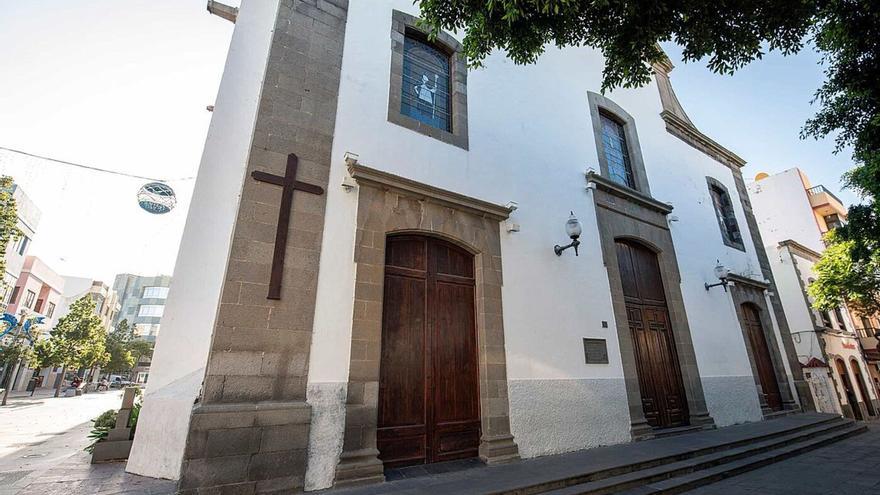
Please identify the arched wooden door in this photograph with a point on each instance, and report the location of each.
(848, 389)
(663, 395)
(761, 354)
(429, 408)
(857, 372)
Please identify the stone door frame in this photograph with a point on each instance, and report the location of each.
(623, 213)
(389, 204)
(745, 290)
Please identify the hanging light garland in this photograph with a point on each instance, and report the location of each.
(155, 197)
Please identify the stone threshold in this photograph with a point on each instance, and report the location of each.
(522, 476)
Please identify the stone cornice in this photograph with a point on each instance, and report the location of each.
(742, 279)
(222, 10)
(800, 249)
(692, 136)
(627, 193)
(364, 175)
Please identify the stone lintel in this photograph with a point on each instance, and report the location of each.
(627, 193)
(386, 180)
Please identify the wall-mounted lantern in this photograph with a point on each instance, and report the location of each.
(721, 273)
(573, 230)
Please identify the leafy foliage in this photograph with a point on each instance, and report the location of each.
(101, 428)
(107, 421)
(841, 279)
(9, 231)
(118, 343)
(11, 350)
(729, 35)
(79, 338)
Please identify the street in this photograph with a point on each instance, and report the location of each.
(41, 446)
(844, 468)
(42, 441)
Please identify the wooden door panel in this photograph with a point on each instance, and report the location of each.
(406, 252)
(451, 260)
(401, 434)
(455, 373)
(429, 388)
(761, 354)
(662, 390)
(456, 388)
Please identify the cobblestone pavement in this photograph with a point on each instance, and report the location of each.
(850, 467)
(41, 442)
(41, 448)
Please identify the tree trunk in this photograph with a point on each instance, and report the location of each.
(10, 381)
(60, 382)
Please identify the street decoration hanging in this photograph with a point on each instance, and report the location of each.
(11, 322)
(156, 198)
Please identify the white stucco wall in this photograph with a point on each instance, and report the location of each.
(786, 192)
(531, 140)
(790, 280)
(182, 347)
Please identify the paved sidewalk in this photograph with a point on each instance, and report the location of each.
(850, 467)
(41, 448)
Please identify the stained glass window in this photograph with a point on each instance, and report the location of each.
(616, 152)
(425, 92)
(726, 216)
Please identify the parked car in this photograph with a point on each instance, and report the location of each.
(119, 382)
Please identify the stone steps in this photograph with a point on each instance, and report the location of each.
(706, 465)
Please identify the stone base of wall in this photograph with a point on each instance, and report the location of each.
(261, 443)
(325, 438)
(732, 399)
(556, 416)
(111, 451)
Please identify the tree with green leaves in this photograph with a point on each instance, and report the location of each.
(118, 346)
(78, 339)
(728, 35)
(140, 349)
(9, 231)
(16, 350)
(843, 280)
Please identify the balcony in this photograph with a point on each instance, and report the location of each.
(825, 203)
(868, 339)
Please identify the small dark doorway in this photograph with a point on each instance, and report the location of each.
(429, 408)
(761, 353)
(662, 390)
(857, 371)
(848, 389)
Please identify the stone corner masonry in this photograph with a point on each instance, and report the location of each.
(250, 427)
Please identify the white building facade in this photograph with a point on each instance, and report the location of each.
(827, 342)
(16, 251)
(419, 256)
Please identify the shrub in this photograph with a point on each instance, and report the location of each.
(102, 426)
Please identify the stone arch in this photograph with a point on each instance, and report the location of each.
(862, 386)
(390, 205)
(660, 243)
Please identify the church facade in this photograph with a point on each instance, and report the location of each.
(371, 273)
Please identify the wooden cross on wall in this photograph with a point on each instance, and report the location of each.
(289, 184)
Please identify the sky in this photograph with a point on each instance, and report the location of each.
(124, 86)
(115, 85)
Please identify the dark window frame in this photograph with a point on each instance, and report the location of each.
(29, 299)
(602, 106)
(23, 244)
(725, 214)
(629, 179)
(410, 103)
(404, 25)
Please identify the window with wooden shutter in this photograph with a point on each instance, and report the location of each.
(726, 215)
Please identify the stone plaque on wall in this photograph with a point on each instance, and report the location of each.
(595, 351)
